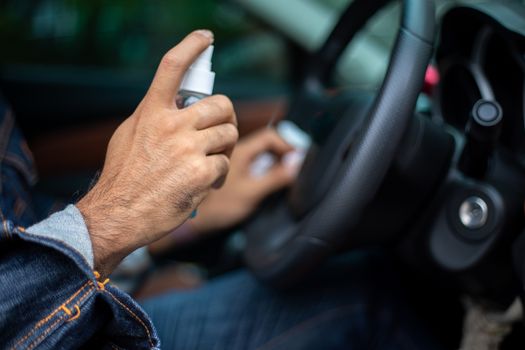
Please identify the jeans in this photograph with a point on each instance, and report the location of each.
(18, 202)
(346, 305)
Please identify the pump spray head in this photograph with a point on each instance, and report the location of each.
(200, 78)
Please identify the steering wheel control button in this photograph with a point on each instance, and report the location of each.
(473, 213)
(487, 113)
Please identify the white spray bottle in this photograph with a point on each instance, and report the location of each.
(198, 80)
(197, 83)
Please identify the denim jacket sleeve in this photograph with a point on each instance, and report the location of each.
(50, 297)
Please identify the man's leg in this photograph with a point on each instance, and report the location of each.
(347, 306)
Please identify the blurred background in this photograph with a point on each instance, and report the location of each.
(255, 41)
(85, 64)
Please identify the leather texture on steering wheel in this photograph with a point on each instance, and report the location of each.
(282, 248)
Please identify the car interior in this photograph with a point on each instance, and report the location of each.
(416, 111)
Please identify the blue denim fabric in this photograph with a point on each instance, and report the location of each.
(18, 174)
(50, 298)
(347, 305)
(17, 171)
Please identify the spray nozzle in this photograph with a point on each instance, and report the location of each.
(204, 60)
(200, 78)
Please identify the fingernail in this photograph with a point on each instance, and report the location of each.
(206, 33)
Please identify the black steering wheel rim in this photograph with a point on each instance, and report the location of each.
(281, 247)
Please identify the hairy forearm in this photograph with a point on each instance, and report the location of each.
(110, 228)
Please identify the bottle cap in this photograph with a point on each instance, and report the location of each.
(200, 78)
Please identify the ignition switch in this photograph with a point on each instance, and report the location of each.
(473, 212)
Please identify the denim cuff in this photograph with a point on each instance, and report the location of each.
(50, 299)
(68, 227)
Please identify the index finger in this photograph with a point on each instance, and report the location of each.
(175, 63)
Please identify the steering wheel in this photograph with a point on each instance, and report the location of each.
(343, 171)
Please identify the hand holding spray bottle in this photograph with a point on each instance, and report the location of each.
(197, 83)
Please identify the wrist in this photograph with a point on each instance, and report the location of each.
(107, 233)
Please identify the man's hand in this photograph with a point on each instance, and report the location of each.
(243, 192)
(161, 162)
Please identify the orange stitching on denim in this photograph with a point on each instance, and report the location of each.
(47, 318)
(85, 295)
(134, 316)
(65, 309)
(67, 301)
(43, 335)
(77, 314)
(80, 300)
(102, 285)
(76, 306)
